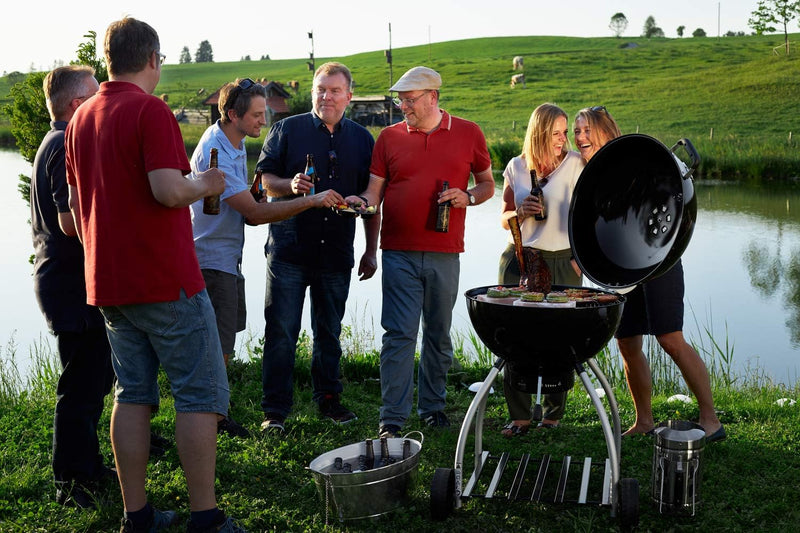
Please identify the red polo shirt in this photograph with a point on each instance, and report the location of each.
(414, 165)
(136, 249)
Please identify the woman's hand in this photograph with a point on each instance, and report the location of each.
(529, 207)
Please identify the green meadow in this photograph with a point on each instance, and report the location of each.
(733, 97)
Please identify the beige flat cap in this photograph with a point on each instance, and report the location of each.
(418, 79)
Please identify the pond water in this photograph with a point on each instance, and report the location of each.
(742, 270)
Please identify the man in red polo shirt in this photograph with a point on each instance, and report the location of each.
(126, 164)
(410, 162)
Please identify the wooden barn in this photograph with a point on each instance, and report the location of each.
(277, 107)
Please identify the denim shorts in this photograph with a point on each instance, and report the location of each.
(180, 336)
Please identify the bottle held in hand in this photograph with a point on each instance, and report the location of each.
(311, 172)
(443, 213)
(211, 203)
(257, 190)
(536, 191)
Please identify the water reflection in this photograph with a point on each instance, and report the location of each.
(742, 271)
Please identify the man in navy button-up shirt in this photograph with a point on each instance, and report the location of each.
(313, 249)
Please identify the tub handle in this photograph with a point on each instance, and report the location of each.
(421, 436)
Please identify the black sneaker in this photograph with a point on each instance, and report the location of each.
(273, 423)
(390, 431)
(74, 495)
(437, 419)
(332, 408)
(160, 520)
(222, 525)
(232, 427)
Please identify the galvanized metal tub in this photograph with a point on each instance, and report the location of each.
(365, 493)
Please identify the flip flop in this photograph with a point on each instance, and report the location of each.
(546, 425)
(513, 430)
(718, 435)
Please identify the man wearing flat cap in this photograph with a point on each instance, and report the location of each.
(410, 163)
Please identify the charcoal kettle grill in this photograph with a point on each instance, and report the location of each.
(631, 217)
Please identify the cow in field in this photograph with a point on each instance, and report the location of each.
(517, 79)
(517, 64)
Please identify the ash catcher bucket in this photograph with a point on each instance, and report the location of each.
(677, 466)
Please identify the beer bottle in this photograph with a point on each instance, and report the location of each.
(311, 172)
(406, 449)
(443, 213)
(211, 203)
(536, 190)
(370, 454)
(257, 190)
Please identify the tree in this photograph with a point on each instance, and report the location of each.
(87, 55)
(246, 58)
(204, 53)
(186, 57)
(680, 30)
(618, 24)
(27, 110)
(774, 12)
(699, 32)
(650, 28)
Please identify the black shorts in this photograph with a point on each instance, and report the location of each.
(226, 292)
(655, 307)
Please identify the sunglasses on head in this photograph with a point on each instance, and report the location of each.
(245, 84)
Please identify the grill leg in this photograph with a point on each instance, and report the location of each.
(607, 432)
(477, 406)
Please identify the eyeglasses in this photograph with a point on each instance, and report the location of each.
(161, 57)
(245, 84)
(598, 108)
(409, 102)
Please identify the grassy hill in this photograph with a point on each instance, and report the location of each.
(667, 88)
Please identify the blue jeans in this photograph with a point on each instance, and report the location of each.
(181, 337)
(416, 284)
(283, 310)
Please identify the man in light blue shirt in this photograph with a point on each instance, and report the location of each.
(219, 239)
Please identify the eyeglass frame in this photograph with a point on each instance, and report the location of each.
(161, 57)
(397, 101)
(599, 108)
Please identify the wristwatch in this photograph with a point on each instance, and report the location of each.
(471, 198)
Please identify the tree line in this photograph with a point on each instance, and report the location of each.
(767, 14)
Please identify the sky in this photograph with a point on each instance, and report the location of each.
(45, 33)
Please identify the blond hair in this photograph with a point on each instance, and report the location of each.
(602, 126)
(537, 149)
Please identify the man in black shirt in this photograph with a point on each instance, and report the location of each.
(314, 249)
(60, 289)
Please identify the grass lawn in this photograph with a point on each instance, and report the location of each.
(749, 481)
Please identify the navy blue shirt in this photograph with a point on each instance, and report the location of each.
(58, 278)
(317, 238)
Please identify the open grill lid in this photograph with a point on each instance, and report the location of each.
(633, 211)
